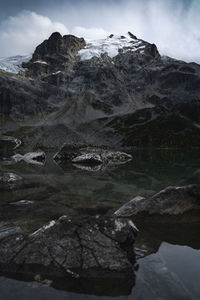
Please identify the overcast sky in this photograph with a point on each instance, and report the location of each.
(173, 25)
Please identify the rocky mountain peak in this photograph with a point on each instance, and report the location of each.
(61, 53)
(58, 45)
(132, 35)
(56, 53)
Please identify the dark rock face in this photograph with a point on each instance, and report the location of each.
(170, 201)
(54, 54)
(136, 98)
(79, 248)
(90, 156)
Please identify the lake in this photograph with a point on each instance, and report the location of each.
(168, 255)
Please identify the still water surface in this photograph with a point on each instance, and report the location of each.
(168, 254)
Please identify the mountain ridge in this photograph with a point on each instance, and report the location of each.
(71, 84)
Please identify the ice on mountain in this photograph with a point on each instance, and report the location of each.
(13, 64)
(110, 45)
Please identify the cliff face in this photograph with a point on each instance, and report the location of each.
(117, 90)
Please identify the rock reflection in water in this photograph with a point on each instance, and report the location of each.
(168, 260)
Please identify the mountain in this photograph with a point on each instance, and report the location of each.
(114, 91)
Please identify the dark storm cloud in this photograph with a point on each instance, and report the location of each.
(13, 7)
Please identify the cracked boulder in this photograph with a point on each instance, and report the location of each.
(90, 156)
(172, 201)
(78, 248)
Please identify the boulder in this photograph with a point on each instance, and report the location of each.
(171, 201)
(82, 248)
(88, 155)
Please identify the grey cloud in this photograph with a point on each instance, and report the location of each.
(172, 25)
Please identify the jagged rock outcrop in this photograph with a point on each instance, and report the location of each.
(171, 201)
(80, 248)
(55, 54)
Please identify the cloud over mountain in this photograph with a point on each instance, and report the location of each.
(20, 34)
(172, 25)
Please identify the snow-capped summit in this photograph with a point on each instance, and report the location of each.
(112, 45)
(13, 64)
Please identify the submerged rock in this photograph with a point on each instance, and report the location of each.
(9, 181)
(37, 158)
(170, 201)
(7, 229)
(90, 156)
(22, 202)
(10, 178)
(81, 248)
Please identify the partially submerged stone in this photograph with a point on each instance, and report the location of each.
(37, 158)
(82, 248)
(9, 180)
(89, 155)
(88, 158)
(171, 201)
(21, 202)
(127, 209)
